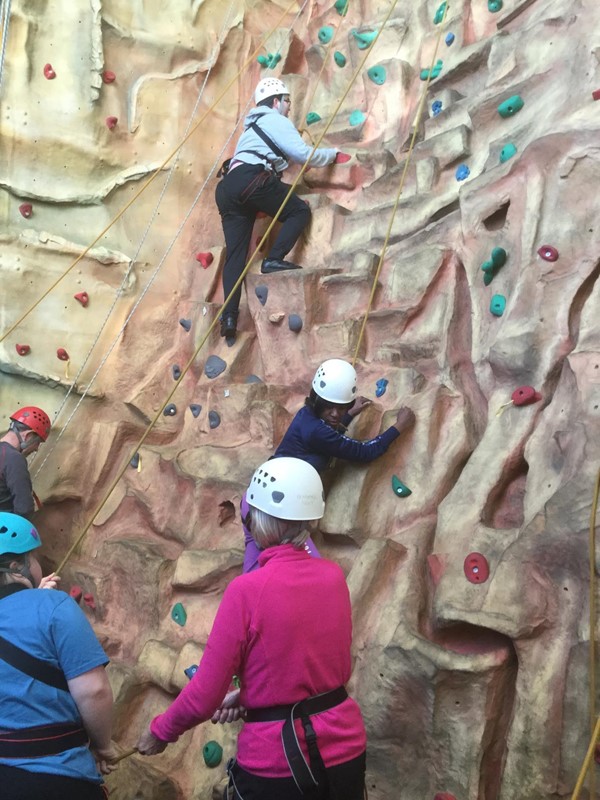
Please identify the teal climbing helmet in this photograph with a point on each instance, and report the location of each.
(17, 534)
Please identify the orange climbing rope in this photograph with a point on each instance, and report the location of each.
(151, 179)
(413, 140)
(238, 283)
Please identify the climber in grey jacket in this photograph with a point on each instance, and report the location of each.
(251, 183)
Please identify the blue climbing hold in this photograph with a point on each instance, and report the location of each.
(170, 410)
(186, 324)
(450, 37)
(176, 370)
(462, 172)
(364, 39)
(440, 13)
(380, 387)
(178, 614)
(195, 409)
(511, 106)
(253, 379)
(135, 461)
(507, 152)
(191, 671)
(295, 323)
(214, 420)
(436, 107)
(214, 366)
(339, 58)
(326, 34)
(498, 305)
(312, 117)
(377, 74)
(357, 118)
(262, 292)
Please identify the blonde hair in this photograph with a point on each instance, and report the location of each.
(269, 531)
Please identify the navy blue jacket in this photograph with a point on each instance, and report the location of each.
(312, 440)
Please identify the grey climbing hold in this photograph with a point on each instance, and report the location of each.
(214, 420)
(195, 409)
(262, 292)
(254, 379)
(377, 74)
(214, 366)
(295, 323)
(170, 410)
(186, 324)
(176, 370)
(339, 58)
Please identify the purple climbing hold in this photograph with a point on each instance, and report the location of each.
(295, 323)
(214, 420)
(381, 386)
(135, 461)
(176, 370)
(186, 324)
(262, 292)
(195, 409)
(214, 366)
(170, 410)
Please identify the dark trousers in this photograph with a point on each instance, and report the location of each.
(243, 192)
(19, 784)
(345, 782)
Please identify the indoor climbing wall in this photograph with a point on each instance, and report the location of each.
(465, 545)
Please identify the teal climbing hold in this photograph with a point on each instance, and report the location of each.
(269, 61)
(212, 752)
(341, 6)
(263, 60)
(357, 118)
(507, 152)
(435, 71)
(377, 75)
(312, 117)
(511, 106)
(488, 277)
(487, 266)
(497, 305)
(178, 614)
(400, 489)
(339, 58)
(494, 5)
(326, 34)
(498, 257)
(364, 39)
(439, 14)
(494, 265)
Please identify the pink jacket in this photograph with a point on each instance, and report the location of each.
(286, 631)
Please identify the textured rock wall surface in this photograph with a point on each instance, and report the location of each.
(476, 689)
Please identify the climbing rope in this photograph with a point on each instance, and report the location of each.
(413, 140)
(151, 179)
(237, 284)
(4, 22)
(593, 621)
(587, 762)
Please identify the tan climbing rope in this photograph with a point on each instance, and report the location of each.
(593, 622)
(413, 140)
(152, 178)
(238, 283)
(587, 762)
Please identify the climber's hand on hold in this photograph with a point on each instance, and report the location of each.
(404, 419)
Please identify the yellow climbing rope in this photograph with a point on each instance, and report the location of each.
(152, 178)
(587, 761)
(204, 338)
(413, 140)
(593, 622)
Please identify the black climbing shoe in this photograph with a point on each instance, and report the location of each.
(277, 265)
(229, 326)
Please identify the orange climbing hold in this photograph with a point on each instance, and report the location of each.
(26, 210)
(111, 123)
(49, 73)
(83, 298)
(108, 76)
(23, 349)
(62, 354)
(205, 259)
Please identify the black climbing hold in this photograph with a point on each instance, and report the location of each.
(186, 324)
(214, 366)
(253, 379)
(176, 370)
(135, 461)
(214, 420)
(262, 292)
(195, 409)
(295, 323)
(170, 410)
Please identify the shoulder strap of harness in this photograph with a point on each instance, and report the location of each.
(268, 141)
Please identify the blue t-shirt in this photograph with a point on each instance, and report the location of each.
(49, 625)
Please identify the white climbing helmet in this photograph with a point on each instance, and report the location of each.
(335, 381)
(269, 87)
(287, 488)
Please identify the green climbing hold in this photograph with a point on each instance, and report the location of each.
(498, 257)
(326, 34)
(212, 752)
(364, 39)
(269, 61)
(487, 266)
(341, 6)
(178, 614)
(339, 58)
(357, 118)
(497, 305)
(312, 117)
(511, 106)
(435, 71)
(494, 5)
(507, 152)
(400, 489)
(488, 277)
(377, 75)
(263, 60)
(439, 14)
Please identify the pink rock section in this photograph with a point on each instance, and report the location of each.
(471, 689)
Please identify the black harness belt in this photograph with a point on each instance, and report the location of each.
(310, 779)
(45, 740)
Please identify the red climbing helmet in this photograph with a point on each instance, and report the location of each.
(35, 419)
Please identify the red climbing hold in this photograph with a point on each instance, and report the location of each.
(548, 253)
(525, 395)
(23, 349)
(476, 567)
(26, 210)
(88, 599)
(49, 72)
(62, 354)
(206, 259)
(76, 593)
(108, 76)
(111, 122)
(342, 158)
(596, 94)
(83, 298)
(444, 796)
